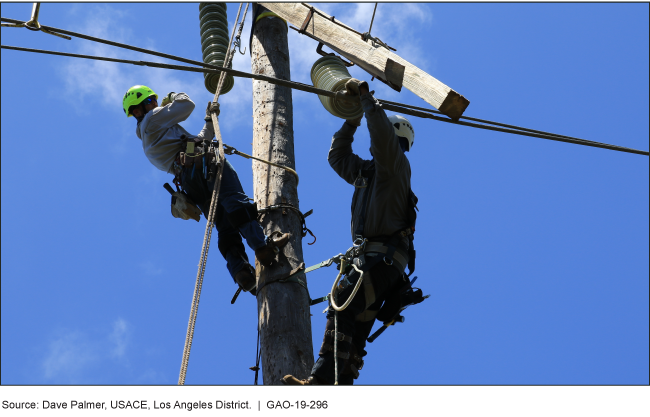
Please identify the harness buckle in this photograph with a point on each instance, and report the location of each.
(358, 247)
(388, 261)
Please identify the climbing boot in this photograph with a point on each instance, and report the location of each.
(246, 279)
(266, 254)
(292, 380)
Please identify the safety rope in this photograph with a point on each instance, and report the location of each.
(232, 151)
(213, 208)
(336, 308)
(336, 282)
(302, 216)
(388, 105)
(336, 348)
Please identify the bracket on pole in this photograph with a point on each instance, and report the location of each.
(319, 51)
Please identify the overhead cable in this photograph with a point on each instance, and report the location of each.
(388, 105)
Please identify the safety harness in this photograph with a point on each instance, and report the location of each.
(388, 247)
(198, 155)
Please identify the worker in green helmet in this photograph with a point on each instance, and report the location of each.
(382, 226)
(163, 141)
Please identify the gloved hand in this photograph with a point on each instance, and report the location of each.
(208, 115)
(168, 99)
(355, 87)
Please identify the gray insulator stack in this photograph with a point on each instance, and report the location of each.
(329, 73)
(214, 43)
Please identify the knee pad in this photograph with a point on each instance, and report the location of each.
(242, 215)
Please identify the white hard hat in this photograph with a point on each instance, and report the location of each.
(403, 128)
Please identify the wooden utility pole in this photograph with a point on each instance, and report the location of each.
(283, 308)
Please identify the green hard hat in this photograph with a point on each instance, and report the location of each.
(136, 95)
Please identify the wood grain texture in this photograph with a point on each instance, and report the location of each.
(372, 58)
(283, 308)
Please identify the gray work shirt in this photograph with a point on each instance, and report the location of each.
(388, 205)
(161, 133)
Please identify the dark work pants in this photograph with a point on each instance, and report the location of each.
(231, 197)
(384, 279)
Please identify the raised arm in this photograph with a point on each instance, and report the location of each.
(384, 144)
(341, 158)
(175, 112)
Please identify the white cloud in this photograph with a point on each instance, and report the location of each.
(119, 338)
(68, 355)
(72, 354)
(89, 80)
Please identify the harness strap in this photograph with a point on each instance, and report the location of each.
(326, 347)
(339, 336)
(390, 251)
(411, 263)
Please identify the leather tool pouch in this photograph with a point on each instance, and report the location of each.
(182, 206)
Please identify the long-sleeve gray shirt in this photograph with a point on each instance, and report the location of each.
(161, 133)
(388, 206)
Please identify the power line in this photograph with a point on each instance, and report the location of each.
(388, 105)
(526, 132)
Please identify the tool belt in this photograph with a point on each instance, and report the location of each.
(390, 248)
(201, 157)
(399, 259)
(195, 154)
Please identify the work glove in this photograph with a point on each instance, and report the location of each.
(352, 86)
(168, 99)
(208, 114)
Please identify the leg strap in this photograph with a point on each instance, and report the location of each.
(344, 341)
(339, 336)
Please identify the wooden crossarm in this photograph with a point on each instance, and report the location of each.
(372, 58)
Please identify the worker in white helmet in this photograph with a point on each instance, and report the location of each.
(383, 216)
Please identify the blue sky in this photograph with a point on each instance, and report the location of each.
(535, 253)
